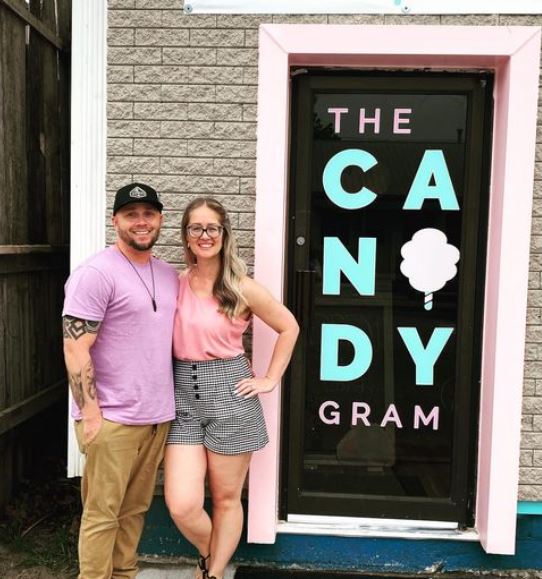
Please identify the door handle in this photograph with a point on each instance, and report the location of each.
(304, 286)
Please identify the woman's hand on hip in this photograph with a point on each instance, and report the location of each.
(250, 387)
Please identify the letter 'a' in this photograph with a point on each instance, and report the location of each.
(432, 167)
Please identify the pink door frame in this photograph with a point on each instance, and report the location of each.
(513, 54)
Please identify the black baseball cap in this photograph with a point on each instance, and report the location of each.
(136, 193)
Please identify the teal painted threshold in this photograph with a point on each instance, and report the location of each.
(529, 507)
(379, 555)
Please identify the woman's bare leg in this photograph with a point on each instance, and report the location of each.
(185, 467)
(226, 476)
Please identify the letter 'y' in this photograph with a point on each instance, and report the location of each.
(426, 357)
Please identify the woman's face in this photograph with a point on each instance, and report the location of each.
(205, 246)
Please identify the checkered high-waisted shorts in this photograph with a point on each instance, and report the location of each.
(209, 412)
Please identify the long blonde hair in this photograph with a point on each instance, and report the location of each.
(227, 287)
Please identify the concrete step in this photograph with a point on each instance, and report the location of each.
(182, 568)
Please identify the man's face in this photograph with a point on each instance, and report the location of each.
(138, 225)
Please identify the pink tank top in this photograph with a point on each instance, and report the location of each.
(201, 332)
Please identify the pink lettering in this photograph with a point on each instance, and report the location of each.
(419, 415)
(363, 120)
(391, 416)
(335, 415)
(357, 415)
(398, 120)
(337, 112)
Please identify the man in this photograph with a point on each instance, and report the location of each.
(118, 324)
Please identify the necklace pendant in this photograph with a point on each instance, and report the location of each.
(154, 307)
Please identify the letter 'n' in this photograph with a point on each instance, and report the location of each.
(360, 273)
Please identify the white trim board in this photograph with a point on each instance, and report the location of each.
(88, 148)
(404, 7)
(366, 527)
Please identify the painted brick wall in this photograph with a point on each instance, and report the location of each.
(182, 116)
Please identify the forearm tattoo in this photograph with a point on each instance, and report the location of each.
(74, 328)
(83, 382)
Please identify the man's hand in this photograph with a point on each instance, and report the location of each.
(91, 426)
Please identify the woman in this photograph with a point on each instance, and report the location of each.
(219, 420)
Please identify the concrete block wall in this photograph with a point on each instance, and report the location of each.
(182, 104)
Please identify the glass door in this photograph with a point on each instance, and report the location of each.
(388, 211)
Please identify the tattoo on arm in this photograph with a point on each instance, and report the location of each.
(77, 389)
(88, 371)
(74, 328)
(83, 382)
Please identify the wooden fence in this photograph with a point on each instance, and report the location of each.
(34, 218)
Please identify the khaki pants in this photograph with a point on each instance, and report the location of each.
(116, 490)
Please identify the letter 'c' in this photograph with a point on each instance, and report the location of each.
(332, 178)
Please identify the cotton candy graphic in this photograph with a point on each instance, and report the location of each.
(429, 262)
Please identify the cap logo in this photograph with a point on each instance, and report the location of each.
(137, 192)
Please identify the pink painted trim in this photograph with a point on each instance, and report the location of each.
(271, 170)
(516, 94)
(299, 40)
(513, 53)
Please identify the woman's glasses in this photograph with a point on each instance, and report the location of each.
(196, 231)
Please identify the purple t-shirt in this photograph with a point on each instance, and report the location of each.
(132, 354)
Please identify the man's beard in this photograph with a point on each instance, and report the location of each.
(139, 246)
